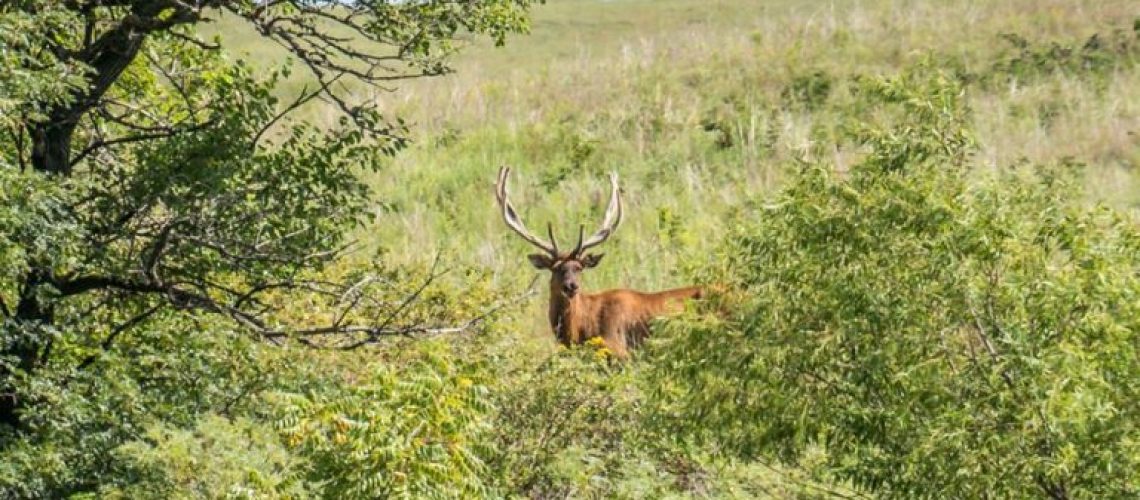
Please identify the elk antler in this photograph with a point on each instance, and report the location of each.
(512, 217)
(610, 221)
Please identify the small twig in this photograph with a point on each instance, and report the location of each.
(110, 340)
(156, 253)
(465, 326)
(194, 41)
(415, 295)
(355, 291)
(18, 138)
(302, 98)
(980, 329)
(245, 391)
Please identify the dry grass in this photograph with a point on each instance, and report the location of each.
(634, 86)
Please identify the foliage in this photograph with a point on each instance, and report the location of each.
(935, 335)
(413, 432)
(1096, 56)
(577, 425)
(187, 183)
(809, 90)
(568, 426)
(162, 206)
(159, 380)
(218, 457)
(36, 228)
(34, 80)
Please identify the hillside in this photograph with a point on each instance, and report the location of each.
(912, 227)
(698, 105)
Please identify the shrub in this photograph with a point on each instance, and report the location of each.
(567, 426)
(809, 90)
(936, 332)
(577, 425)
(412, 431)
(219, 457)
(158, 381)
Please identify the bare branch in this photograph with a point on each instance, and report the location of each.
(463, 327)
(432, 276)
(195, 41)
(302, 98)
(177, 295)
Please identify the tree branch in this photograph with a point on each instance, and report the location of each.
(162, 133)
(467, 325)
(245, 391)
(83, 284)
(302, 98)
(18, 138)
(110, 340)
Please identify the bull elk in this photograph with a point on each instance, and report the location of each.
(619, 317)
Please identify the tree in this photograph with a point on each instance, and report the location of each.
(144, 174)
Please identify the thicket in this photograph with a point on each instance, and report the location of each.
(932, 330)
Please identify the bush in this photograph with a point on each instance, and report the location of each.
(578, 425)
(568, 426)
(936, 332)
(158, 379)
(219, 457)
(414, 431)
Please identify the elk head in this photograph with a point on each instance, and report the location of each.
(565, 267)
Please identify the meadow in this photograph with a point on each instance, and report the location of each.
(917, 222)
(704, 108)
(700, 105)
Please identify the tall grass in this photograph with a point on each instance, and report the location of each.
(699, 104)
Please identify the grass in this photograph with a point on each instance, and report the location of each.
(700, 105)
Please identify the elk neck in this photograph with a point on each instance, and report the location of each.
(565, 315)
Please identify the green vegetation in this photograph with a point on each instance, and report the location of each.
(919, 221)
(922, 328)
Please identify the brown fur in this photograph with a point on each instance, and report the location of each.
(619, 317)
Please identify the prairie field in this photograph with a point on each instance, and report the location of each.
(699, 105)
(916, 225)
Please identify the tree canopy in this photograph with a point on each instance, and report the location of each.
(144, 172)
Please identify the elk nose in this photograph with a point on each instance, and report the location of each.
(570, 288)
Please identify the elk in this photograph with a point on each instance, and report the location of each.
(620, 317)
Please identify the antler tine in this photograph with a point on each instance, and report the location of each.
(610, 221)
(511, 216)
(553, 240)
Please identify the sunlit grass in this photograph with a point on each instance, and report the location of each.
(688, 101)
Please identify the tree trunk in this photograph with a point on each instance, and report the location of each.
(51, 146)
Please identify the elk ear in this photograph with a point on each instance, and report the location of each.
(592, 259)
(540, 261)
